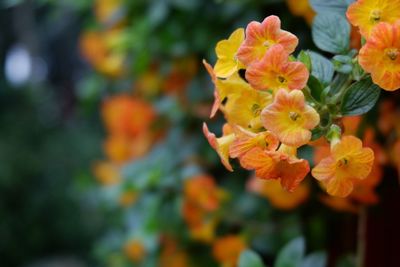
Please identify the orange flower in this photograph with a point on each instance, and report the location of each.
(380, 56)
(179, 76)
(227, 249)
(282, 164)
(245, 141)
(120, 148)
(290, 118)
(128, 198)
(107, 173)
(221, 145)
(301, 8)
(135, 250)
(172, 255)
(205, 231)
(202, 191)
(202, 198)
(125, 115)
(106, 10)
(262, 36)
(366, 14)
(274, 71)
(278, 197)
(348, 161)
(97, 50)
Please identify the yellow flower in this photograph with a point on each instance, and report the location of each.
(290, 118)
(246, 140)
(226, 50)
(348, 161)
(221, 145)
(366, 14)
(245, 110)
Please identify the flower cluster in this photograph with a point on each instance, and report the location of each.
(379, 24)
(263, 93)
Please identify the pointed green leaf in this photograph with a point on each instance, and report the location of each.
(360, 97)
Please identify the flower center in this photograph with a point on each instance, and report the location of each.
(342, 162)
(256, 110)
(267, 43)
(392, 53)
(281, 79)
(294, 115)
(375, 15)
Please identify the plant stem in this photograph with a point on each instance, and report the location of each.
(361, 236)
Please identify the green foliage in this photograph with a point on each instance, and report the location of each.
(360, 97)
(322, 68)
(331, 33)
(316, 259)
(328, 6)
(249, 258)
(292, 254)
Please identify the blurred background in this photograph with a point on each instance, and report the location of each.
(80, 185)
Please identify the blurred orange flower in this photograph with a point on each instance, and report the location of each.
(227, 249)
(172, 255)
(128, 198)
(107, 10)
(126, 115)
(202, 198)
(135, 250)
(120, 148)
(106, 173)
(278, 197)
(301, 8)
(96, 48)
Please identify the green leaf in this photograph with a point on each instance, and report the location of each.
(317, 133)
(249, 258)
(331, 33)
(360, 97)
(305, 58)
(292, 254)
(317, 259)
(331, 6)
(322, 68)
(316, 87)
(338, 82)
